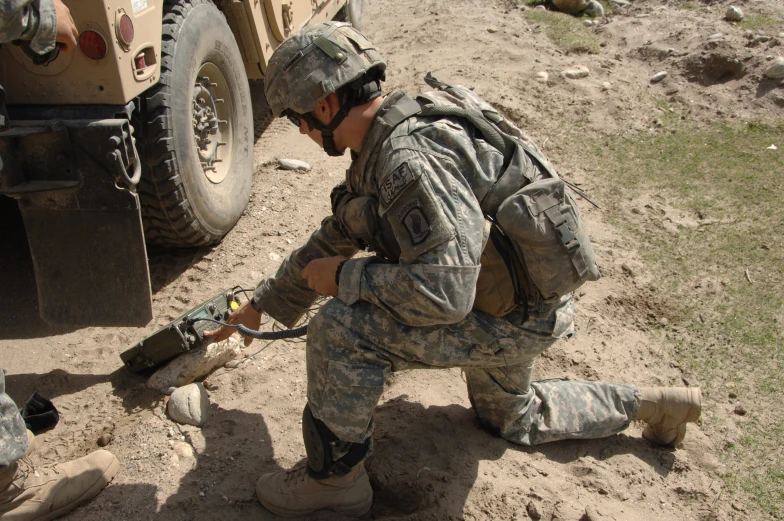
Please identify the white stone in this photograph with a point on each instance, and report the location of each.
(772, 147)
(734, 14)
(189, 405)
(776, 70)
(195, 364)
(659, 76)
(619, 3)
(293, 164)
(587, 23)
(575, 73)
(594, 9)
(715, 36)
(542, 77)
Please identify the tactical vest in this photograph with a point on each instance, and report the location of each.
(536, 246)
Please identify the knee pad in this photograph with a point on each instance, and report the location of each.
(327, 455)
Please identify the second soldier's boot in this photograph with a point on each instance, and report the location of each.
(667, 410)
(295, 493)
(45, 493)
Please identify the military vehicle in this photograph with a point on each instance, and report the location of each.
(143, 133)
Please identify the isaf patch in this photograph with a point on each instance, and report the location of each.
(395, 182)
(414, 221)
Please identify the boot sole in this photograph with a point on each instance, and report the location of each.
(353, 511)
(93, 491)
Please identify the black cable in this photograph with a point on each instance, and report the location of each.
(260, 335)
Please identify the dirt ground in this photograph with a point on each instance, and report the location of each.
(432, 461)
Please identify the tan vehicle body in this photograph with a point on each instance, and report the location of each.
(150, 141)
(74, 79)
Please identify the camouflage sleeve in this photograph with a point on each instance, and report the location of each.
(33, 20)
(439, 226)
(286, 296)
(13, 433)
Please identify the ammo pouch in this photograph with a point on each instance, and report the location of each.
(498, 290)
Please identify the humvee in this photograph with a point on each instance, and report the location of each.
(143, 135)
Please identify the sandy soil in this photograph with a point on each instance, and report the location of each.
(432, 460)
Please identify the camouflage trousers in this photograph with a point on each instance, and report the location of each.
(13, 433)
(351, 350)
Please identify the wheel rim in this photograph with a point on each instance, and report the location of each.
(212, 133)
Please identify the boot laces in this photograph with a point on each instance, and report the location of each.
(296, 475)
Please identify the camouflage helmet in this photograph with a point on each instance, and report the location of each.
(315, 62)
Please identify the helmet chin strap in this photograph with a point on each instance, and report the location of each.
(356, 96)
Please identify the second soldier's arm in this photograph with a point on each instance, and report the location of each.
(33, 20)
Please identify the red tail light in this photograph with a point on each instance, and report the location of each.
(92, 45)
(125, 30)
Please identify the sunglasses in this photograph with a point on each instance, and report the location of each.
(297, 118)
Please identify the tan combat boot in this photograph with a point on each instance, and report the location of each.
(44, 493)
(294, 493)
(667, 410)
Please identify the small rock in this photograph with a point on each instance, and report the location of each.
(627, 269)
(776, 70)
(659, 76)
(492, 30)
(587, 23)
(619, 3)
(540, 8)
(663, 321)
(274, 256)
(715, 36)
(605, 86)
(733, 14)
(195, 364)
(183, 449)
(533, 511)
(293, 164)
(592, 515)
(732, 395)
(570, 6)
(594, 9)
(575, 73)
(542, 77)
(104, 440)
(740, 410)
(233, 364)
(189, 405)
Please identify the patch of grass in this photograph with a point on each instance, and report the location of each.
(567, 32)
(689, 6)
(727, 181)
(760, 21)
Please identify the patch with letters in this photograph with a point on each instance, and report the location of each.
(395, 182)
(414, 221)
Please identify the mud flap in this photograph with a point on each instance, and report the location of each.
(82, 219)
(90, 266)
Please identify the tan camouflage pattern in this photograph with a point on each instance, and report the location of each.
(417, 312)
(13, 433)
(33, 20)
(300, 73)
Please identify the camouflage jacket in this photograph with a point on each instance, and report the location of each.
(33, 20)
(424, 176)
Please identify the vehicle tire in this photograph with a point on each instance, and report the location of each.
(352, 13)
(195, 131)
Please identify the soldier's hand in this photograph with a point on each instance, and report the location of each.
(320, 274)
(245, 315)
(66, 28)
